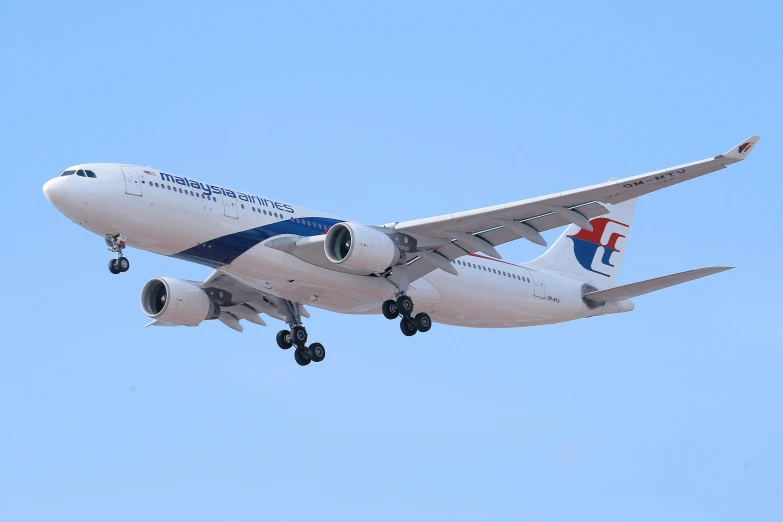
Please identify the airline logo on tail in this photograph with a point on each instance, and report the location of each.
(745, 147)
(587, 243)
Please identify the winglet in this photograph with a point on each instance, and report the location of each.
(741, 151)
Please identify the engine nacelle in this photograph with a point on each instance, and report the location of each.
(360, 247)
(177, 302)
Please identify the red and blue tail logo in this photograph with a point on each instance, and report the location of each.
(745, 147)
(587, 243)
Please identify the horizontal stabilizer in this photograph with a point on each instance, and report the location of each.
(619, 293)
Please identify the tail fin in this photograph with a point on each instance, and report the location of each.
(591, 256)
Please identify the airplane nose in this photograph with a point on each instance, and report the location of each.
(54, 190)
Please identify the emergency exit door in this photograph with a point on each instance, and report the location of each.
(538, 284)
(230, 207)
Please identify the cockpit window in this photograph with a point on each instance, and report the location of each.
(68, 173)
(81, 173)
(90, 174)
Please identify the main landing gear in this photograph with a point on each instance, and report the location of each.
(403, 307)
(116, 244)
(297, 336)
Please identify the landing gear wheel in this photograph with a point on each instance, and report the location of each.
(122, 264)
(405, 305)
(317, 352)
(408, 326)
(389, 309)
(423, 322)
(299, 336)
(112, 268)
(284, 339)
(301, 358)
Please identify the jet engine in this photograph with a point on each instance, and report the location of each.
(360, 247)
(177, 302)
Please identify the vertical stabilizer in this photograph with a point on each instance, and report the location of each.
(591, 256)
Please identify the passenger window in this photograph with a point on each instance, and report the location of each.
(242, 205)
(68, 173)
(265, 212)
(81, 173)
(168, 187)
(90, 174)
(156, 184)
(253, 208)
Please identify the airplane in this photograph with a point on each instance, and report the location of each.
(275, 258)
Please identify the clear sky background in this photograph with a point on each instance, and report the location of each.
(387, 113)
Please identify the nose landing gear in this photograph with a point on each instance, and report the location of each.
(116, 244)
(403, 307)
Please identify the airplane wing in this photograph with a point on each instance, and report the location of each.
(239, 300)
(482, 229)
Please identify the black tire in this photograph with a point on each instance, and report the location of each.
(317, 352)
(423, 322)
(408, 326)
(112, 268)
(389, 309)
(284, 339)
(122, 264)
(301, 358)
(405, 305)
(299, 336)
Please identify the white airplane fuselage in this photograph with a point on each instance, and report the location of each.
(175, 216)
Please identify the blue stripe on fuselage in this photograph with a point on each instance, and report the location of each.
(224, 250)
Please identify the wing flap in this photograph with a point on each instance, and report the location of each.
(620, 293)
(500, 235)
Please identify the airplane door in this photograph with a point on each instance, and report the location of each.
(230, 207)
(132, 183)
(538, 284)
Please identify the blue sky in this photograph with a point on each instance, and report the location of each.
(385, 113)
